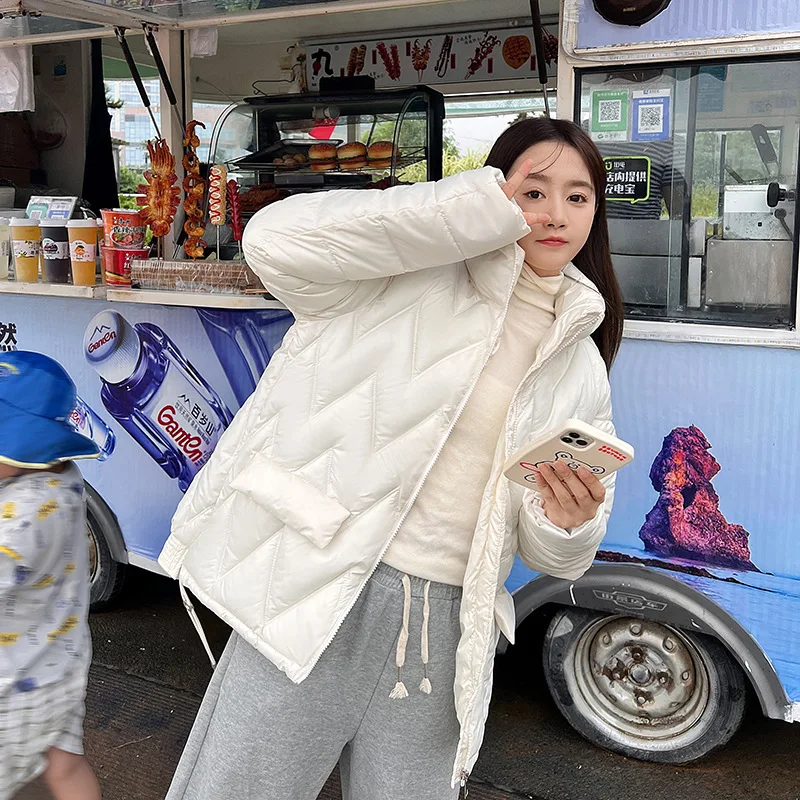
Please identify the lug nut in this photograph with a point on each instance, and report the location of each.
(636, 629)
(669, 645)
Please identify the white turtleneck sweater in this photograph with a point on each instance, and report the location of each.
(434, 541)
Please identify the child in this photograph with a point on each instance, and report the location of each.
(45, 647)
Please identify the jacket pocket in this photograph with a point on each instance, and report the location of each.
(292, 499)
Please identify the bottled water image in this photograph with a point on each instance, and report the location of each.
(153, 391)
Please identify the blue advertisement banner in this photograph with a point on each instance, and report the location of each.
(711, 498)
(712, 495)
(157, 388)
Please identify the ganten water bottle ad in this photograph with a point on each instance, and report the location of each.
(157, 396)
(157, 388)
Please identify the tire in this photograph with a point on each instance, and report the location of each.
(641, 688)
(106, 576)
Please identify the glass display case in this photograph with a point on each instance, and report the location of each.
(277, 146)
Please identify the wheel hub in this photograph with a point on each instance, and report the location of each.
(641, 677)
(92, 548)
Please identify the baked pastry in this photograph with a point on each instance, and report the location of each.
(517, 51)
(381, 154)
(322, 157)
(352, 155)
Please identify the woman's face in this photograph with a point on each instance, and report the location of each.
(559, 184)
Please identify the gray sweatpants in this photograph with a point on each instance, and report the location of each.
(258, 736)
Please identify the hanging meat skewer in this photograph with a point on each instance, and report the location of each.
(217, 197)
(161, 195)
(194, 188)
(235, 205)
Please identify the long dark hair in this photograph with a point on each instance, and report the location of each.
(594, 259)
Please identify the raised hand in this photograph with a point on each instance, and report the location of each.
(512, 186)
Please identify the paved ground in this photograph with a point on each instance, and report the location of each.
(150, 672)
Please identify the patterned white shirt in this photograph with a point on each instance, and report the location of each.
(44, 580)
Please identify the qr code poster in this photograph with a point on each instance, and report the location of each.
(651, 115)
(610, 115)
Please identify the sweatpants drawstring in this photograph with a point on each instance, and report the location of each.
(198, 626)
(425, 685)
(399, 692)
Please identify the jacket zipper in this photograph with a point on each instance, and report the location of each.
(467, 742)
(412, 500)
(463, 793)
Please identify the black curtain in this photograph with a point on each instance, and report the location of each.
(99, 173)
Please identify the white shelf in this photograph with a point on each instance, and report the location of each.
(191, 299)
(52, 289)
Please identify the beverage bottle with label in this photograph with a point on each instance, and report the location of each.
(156, 394)
(244, 342)
(86, 421)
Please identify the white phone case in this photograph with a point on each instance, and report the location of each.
(576, 444)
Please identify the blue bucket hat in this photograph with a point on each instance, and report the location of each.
(36, 399)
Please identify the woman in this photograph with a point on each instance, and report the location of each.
(354, 526)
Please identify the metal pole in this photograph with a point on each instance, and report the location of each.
(162, 71)
(137, 78)
(541, 60)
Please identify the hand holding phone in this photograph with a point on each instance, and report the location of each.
(565, 467)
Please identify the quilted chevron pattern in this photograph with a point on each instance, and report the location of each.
(399, 299)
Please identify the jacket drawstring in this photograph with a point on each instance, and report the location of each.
(187, 604)
(400, 691)
(425, 685)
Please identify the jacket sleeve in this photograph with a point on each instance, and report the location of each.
(543, 546)
(327, 253)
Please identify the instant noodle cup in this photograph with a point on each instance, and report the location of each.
(124, 228)
(117, 265)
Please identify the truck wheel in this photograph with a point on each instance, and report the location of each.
(643, 689)
(106, 576)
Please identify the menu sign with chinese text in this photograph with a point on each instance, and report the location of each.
(496, 54)
(627, 178)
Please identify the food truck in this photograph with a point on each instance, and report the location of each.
(691, 608)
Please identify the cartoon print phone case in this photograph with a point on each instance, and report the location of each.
(574, 443)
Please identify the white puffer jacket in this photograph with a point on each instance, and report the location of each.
(400, 297)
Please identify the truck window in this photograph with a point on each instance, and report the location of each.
(702, 170)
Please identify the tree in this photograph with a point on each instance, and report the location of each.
(129, 180)
(452, 164)
(412, 135)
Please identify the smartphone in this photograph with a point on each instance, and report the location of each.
(574, 443)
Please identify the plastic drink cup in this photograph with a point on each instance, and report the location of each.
(26, 247)
(83, 250)
(5, 247)
(55, 251)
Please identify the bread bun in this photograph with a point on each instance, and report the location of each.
(352, 150)
(353, 163)
(323, 166)
(381, 151)
(322, 152)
